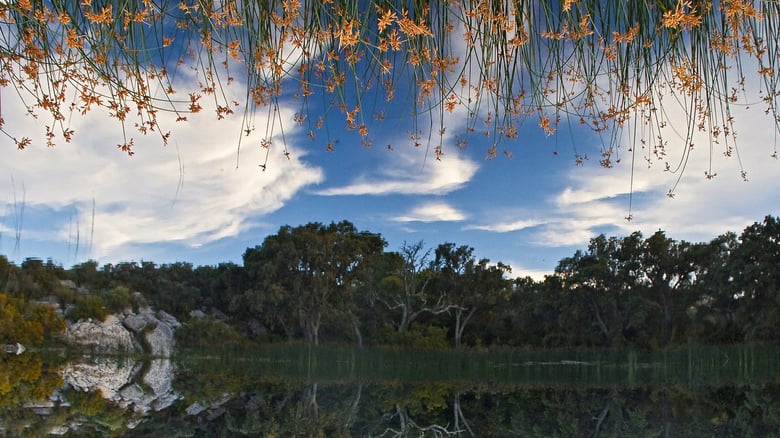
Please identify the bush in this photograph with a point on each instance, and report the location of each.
(118, 299)
(28, 323)
(207, 331)
(427, 338)
(88, 307)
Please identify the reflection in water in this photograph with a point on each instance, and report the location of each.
(307, 393)
(129, 384)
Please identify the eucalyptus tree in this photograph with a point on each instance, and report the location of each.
(590, 278)
(669, 271)
(407, 291)
(468, 284)
(219, 284)
(713, 313)
(303, 275)
(606, 284)
(755, 275)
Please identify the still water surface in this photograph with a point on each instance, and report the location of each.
(308, 392)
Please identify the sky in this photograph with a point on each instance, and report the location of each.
(205, 200)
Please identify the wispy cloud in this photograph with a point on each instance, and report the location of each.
(595, 200)
(701, 208)
(506, 226)
(196, 190)
(410, 172)
(432, 212)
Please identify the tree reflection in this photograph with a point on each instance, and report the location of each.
(243, 397)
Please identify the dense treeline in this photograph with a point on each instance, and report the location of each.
(334, 283)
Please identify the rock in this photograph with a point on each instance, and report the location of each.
(43, 411)
(195, 408)
(160, 340)
(107, 375)
(16, 348)
(169, 319)
(159, 378)
(59, 430)
(213, 414)
(122, 333)
(71, 285)
(122, 384)
(134, 323)
(197, 314)
(109, 336)
(132, 392)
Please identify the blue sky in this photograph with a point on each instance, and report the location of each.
(197, 200)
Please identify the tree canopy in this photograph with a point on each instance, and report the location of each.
(604, 65)
(332, 283)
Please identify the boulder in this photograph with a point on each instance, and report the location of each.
(15, 349)
(168, 319)
(134, 323)
(121, 382)
(145, 332)
(107, 375)
(108, 337)
(160, 340)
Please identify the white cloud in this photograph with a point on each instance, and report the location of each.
(701, 209)
(596, 200)
(432, 212)
(409, 172)
(196, 190)
(519, 271)
(506, 226)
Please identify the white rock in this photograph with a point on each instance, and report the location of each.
(109, 336)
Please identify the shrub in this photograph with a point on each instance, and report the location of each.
(88, 307)
(207, 331)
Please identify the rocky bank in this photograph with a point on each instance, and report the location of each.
(145, 331)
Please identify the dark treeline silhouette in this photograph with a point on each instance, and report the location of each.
(334, 283)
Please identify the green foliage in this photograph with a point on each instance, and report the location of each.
(426, 337)
(207, 331)
(25, 378)
(338, 284)
(28, 323)
(102, 418)
(88, 307)
(755, 270)
(118, 299)
(304, 274)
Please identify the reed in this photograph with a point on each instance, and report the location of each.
(603, 64)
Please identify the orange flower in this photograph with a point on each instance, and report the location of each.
(386, 20)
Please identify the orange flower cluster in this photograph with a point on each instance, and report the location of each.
(599, 63)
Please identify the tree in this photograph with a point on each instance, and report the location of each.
(713, 312)
(305, 274)
(219, 284)
(755, 275)
(606, 282)
(669, 270)
(468, 284)
(602, 63)
(407, 289)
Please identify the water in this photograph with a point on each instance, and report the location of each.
(309, 392)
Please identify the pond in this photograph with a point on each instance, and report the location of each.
(326, 391)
